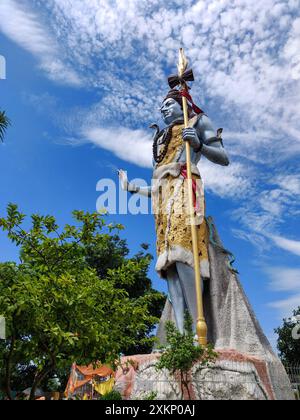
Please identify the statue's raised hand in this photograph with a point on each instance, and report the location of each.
(123, 179)
(127, 186)
(190, 135)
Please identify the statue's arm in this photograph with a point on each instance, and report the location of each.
(132, 188)
(145, 191)
(212, 147)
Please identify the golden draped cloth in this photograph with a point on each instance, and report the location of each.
(171, 210)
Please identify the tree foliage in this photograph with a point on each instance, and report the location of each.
(288, 342)
(74, 296)
(4, 123)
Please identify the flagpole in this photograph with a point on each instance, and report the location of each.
(201, 324)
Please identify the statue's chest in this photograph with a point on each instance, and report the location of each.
(175, 147)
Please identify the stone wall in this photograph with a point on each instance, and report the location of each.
(234, 376)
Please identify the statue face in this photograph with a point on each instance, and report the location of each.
(170, 110)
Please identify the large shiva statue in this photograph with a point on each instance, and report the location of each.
(174, 244)
(190, 253)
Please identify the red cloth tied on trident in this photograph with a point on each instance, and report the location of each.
(196, 189)
(195, 108)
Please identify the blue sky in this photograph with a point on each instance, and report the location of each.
(84, 81)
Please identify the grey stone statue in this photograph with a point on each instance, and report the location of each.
(178, 269)
(244, 351)
(232, 326)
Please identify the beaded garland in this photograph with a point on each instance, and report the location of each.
(158, 158)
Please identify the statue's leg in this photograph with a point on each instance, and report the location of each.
(176, 296)
(186, 276)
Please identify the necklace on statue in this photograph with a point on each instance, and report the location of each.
(167, 137)
(166, 141)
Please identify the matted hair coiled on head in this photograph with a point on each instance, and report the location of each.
(178, 95)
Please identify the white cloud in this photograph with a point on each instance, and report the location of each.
(285, 307)
(133, 146)
(24, 27)
(267, 209)
(291, 50)
(284, 279)
(243, 69)
(256, 239)
(245, 57)
(243, 65)
(231, 181)
(287, 244)
(291, 183)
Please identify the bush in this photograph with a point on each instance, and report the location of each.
(112, 396)
(181, 353)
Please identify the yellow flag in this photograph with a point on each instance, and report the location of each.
(104, 388)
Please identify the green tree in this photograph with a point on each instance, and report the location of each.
(181, 353)
(4, 123)
(110, 252)
(288, 342)
(59, 307)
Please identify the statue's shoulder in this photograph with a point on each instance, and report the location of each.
(203, 121)
(203, 124)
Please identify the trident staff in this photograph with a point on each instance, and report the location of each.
(182, 247)
(201, 324)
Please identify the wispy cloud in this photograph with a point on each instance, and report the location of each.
(291, 183)
(25, 28)
(244, 68)
(272, 202)
(133, 146)
(258, 240)
(245, 71)
(284, 279)
(287, 244)
(285, 307)
(247, 79)
(230, 182)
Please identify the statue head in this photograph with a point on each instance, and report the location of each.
(172, 108)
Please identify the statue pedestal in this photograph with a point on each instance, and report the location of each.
(249, 369)
(234, 376)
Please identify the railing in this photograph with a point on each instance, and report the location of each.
(294, 375)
